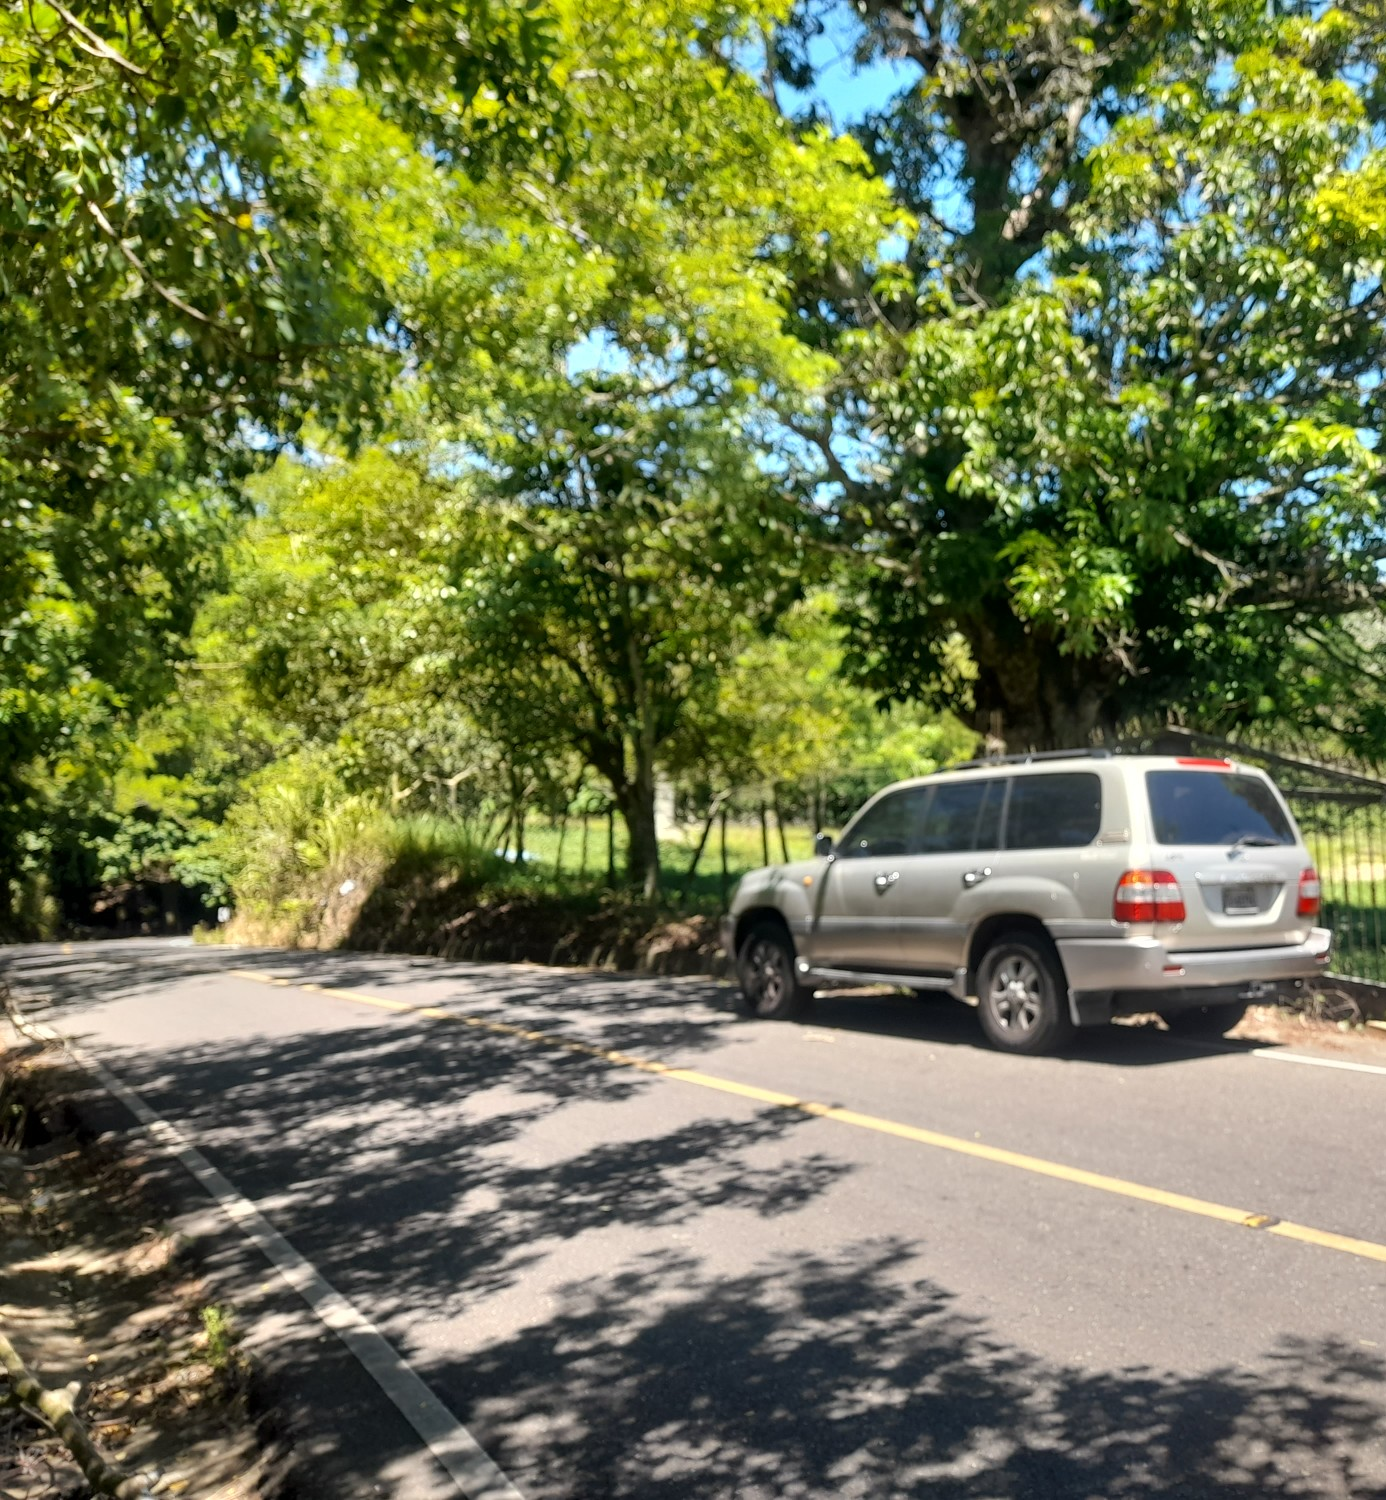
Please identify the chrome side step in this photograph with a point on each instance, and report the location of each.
(952, 984)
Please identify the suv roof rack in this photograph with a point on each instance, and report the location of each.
(1097, 753)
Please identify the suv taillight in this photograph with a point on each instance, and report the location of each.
(1148, 896)
(1309, 893)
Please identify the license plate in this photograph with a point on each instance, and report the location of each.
(1239, 900)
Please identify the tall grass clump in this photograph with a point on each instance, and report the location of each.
(300, 854)
(294, 838)
(433, 845)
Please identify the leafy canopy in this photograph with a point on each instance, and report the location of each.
(176, 291)
(1119, 426)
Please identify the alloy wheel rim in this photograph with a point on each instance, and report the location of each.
(1015, 997)
(769, 976)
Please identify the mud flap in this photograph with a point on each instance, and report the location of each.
(1090, 1007)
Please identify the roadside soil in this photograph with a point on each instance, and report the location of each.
(1297, 1028)
(1348, 1037)
(444, 917)
(94, 1290)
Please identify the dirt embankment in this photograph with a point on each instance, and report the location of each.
(447, 917)
(98, 1298)
(603, 931)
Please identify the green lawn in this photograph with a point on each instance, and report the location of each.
(563, 857)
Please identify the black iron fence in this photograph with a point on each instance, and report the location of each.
(1342, 813)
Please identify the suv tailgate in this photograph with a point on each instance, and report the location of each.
(1229, 840)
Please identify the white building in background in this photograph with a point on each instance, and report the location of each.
(666, 824)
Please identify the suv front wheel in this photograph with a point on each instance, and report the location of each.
(770, 986)
(1022, 996)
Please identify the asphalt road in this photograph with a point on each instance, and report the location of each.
(631, 1283)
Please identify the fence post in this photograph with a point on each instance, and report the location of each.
(717, 802)
(724, 854)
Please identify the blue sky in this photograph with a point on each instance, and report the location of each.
(850, 93)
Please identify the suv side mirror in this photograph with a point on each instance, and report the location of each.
(822, 844)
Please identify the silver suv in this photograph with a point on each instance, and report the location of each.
(1059, 889)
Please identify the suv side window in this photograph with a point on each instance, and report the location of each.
(1058, 810)
(889, 826)
(964, 815)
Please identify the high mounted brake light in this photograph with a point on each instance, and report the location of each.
(1148, 896)
(1204, 760)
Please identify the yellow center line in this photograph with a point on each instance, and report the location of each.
(1040, 1166)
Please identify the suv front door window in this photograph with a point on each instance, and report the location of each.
(859, 909)
(888, 827)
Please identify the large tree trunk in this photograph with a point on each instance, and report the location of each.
(1032, 696)
(637, 803)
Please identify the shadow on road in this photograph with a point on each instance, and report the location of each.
(945, 1022)
(427, 1170)
(850, 1376)
(618, 1010)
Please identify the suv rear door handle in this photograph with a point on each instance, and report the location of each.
(976, 877)
(884, 882)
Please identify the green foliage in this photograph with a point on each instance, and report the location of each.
(597, 327)
(1119, 426)
(636, 431)
(176, 288)
(792, 727)
(294, 827)
(299, 853)
(657, 238)
(597, 609)
(220, 1335)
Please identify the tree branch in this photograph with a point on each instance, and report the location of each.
(55, 1410)
(823, 442)
(167, 293)
(98, 46)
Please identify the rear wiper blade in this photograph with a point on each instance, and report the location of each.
(1254, 841)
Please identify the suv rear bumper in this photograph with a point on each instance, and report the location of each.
(1109, 975)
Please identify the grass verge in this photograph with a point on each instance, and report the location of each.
(98, 1299)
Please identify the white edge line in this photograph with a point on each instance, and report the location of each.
(1274, 1054)
(464, 1459)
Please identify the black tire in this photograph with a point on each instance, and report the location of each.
(1022, 996)
(768, 979)
(1205, 1020)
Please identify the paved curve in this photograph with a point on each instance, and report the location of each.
(626, 1284)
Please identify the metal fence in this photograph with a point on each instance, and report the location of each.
(1342, 813)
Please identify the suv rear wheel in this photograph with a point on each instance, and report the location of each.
(1022, 996)
(1205, 1020)
(765, 970)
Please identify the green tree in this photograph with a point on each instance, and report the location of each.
(176, 291)
(597, 330)
(337, 625)
(1117, 423)
(606, 587)
(791, 724)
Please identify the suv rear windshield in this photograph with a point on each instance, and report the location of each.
(1215, 807)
